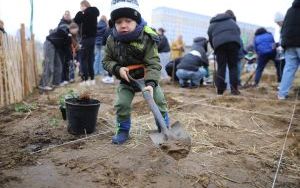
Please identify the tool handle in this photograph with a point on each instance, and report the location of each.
(152, 105)
(156, 112)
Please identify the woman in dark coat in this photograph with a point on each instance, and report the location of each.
(87, 21)
(224, 37)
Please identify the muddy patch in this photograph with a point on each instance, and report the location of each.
(176, 149)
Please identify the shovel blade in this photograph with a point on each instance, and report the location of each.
(176, 132)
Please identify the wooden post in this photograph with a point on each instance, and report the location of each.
(34, 60)
(1, 71)
(24, 69)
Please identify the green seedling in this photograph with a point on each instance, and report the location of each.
(25, 107)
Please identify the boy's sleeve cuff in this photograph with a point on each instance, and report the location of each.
(116, 71)
(151, 83)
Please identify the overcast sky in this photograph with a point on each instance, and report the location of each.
(47, 13)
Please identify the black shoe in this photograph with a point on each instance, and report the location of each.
(220, 92)
(184, 85)
(235, 92)
(193, 86)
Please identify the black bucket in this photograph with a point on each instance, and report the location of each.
(82, 115)
(63, 113)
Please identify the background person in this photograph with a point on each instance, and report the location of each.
(290, 35)
(177, 48)
(265, 48)
(164, 51)
(191, 68)
(58, 39)
(87, 21)
(101, 31)
(278, 19)
(66, 19)
(224, 37)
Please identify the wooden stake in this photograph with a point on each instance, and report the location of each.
(34, 60)
(25, 61)
(1, 71)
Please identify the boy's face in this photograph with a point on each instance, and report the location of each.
(125, 25)
(74, 31)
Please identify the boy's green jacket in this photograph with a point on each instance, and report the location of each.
(142, 51)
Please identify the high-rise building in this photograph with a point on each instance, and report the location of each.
(191, 25)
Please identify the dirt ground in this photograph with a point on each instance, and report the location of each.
(236, 142)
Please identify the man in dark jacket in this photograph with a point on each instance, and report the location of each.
(224, 37)
(87, 21)
(101, 31)
(265, 47)
(58, 40)
(192, 66)
(290, 35)
(164, 51)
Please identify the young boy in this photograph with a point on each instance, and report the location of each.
(132, 49)
(57, 40)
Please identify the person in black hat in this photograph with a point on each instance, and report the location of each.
(131, 49)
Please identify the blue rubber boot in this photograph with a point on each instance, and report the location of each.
(167, 121)
(122, 134)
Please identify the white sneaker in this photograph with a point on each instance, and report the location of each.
(46, 88)
(92, 82)
(72, 80)
(108, 80)
(66, 82)
(281, 98)
(62, 84)
(84, 83)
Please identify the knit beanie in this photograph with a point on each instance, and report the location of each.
(125, 9)
(279, 17)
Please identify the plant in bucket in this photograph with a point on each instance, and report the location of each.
(62, 102)
(82, 113)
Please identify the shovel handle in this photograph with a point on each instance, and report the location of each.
(152, 105)
(156, 112)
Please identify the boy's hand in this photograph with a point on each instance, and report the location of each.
(123, 73)
(149, 89)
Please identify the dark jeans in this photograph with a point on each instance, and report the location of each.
(281, 68)
(261, 64)
(87, 58)
(227, 54)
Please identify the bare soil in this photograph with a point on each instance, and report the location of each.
(236, 142)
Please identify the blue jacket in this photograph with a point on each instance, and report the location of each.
(264, 43)
(101, 30)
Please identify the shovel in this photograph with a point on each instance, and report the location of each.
(174, 141)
